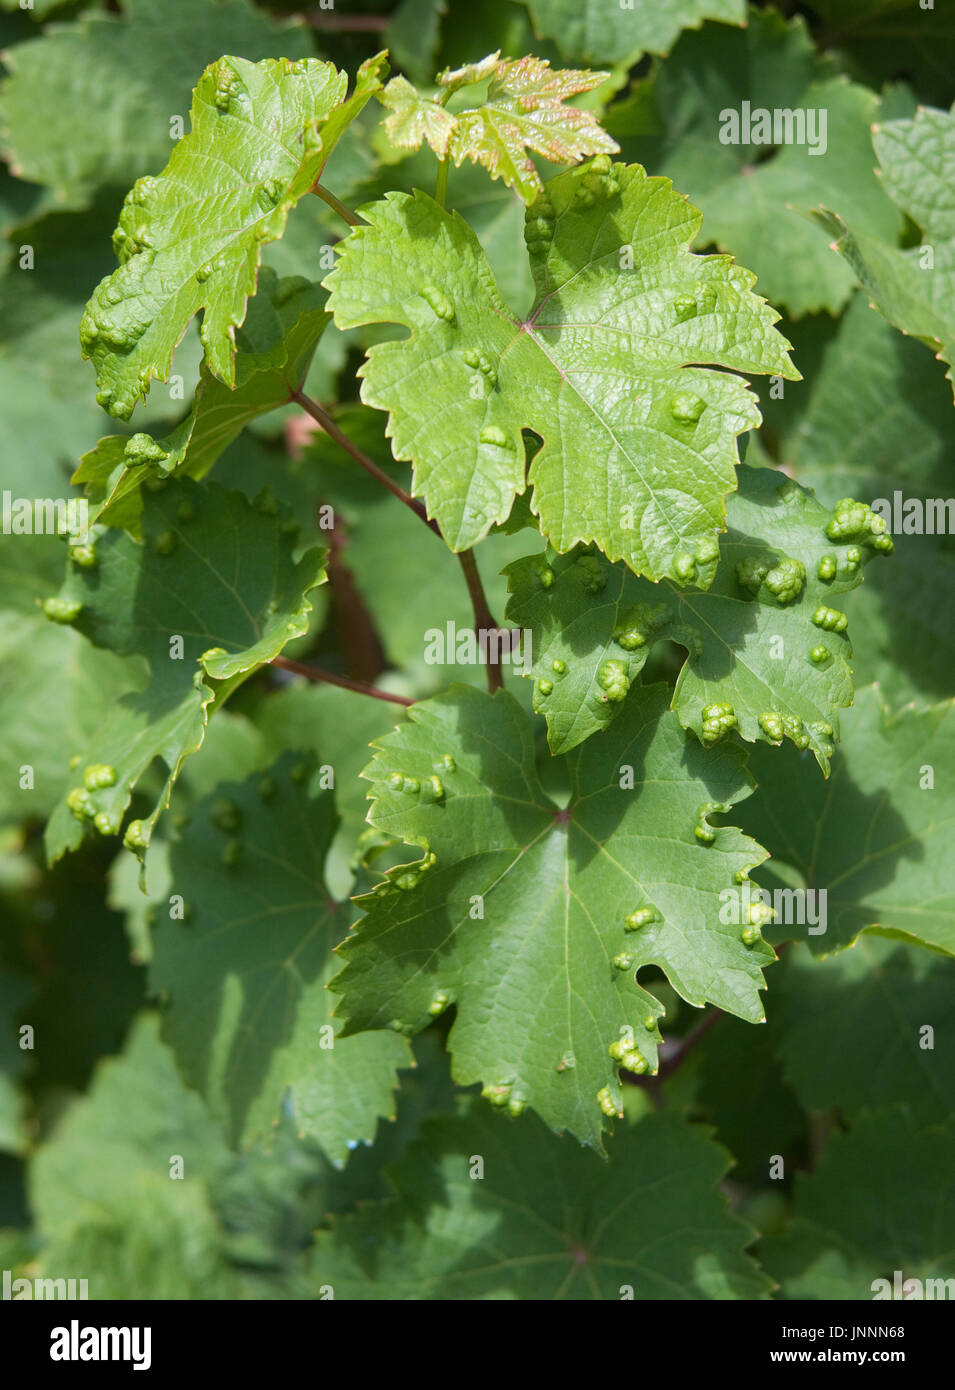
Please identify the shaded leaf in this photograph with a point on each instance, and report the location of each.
(245, 971)
(621, 33)
(210, 592)
(886, 441)
(102, 1196)
(848, 1233)
(852, 1027)
(115, 82)
(914, 289)
(755, 197)
(547, 1220)
(749, 638)
(875, 837)
(879, 38)
(15, 992)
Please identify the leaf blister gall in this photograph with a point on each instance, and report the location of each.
(62, 610)
(830, 619)
(686, 407)
(704, 832)
(83, 555)
(613, 680)
(607, 1103)
(80, 804)
(438, 302)
(641, 917)
(718, 721)
(98, 776)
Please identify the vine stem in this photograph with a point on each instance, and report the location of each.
(322, 417)
(336, 204)
(482, 612)
(441, 182)
(320, 677)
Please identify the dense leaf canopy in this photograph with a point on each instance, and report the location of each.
(476, 599)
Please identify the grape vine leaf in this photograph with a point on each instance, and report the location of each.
(875, 836)
(309, 717)
(39, 439)
(847, 1234)
(139, 891)
(524, 109)
(122, 1126)
(491, 210)
(518, 913)
(208, 596)
(547, 1220)
(749, 637)
(851, 1027)
(19, 202)
(120, 82)
(754, 197)
(53, 690)
(245, 972)
(413, 118)
(639, 453)
(274, 347)
(602, 33)
(305, 717)
(885, 441)
(424, 1091)
(103, 1201)
(914, 288)
(54, 693)
(261, 134)
(90, 991)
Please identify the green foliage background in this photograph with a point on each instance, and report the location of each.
(307, 1169)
